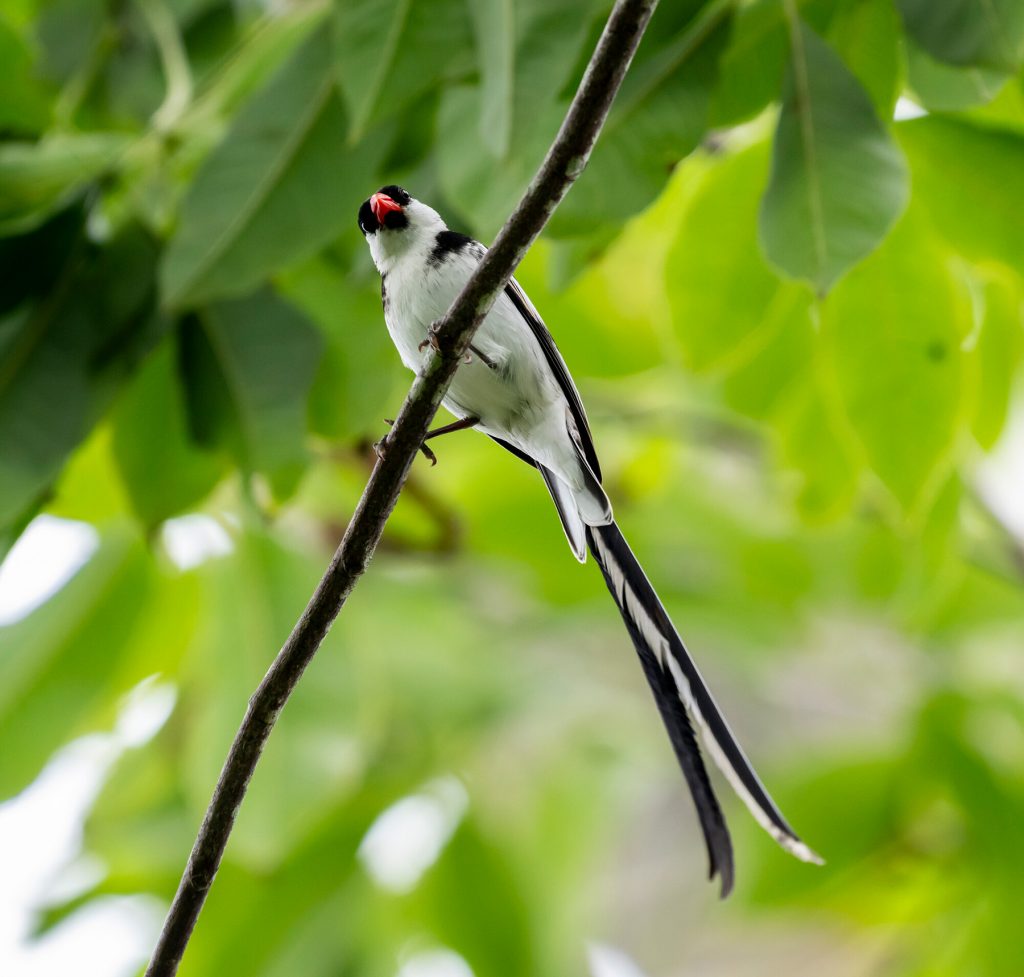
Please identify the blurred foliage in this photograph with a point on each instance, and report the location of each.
(798, 328)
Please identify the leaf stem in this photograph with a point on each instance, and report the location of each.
(564, 162)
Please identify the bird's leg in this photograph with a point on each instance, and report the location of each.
(431, 339)
(481, 356)
(460, 425)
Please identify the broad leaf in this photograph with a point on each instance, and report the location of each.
(659, 117)
(484, 188)
(163, 471)
(494, 25)
(972, 33)
(37, 179)
(999, 348)
(280, 185)
(24, 102)
(948, 88)
(359, 367)
(248, 367)
(982, 218)
(838, 180)
(894, 330)
(866, 35)
(66, 356)
(389, 52)
(724, 296)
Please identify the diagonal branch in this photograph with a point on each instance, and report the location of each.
(564, 162)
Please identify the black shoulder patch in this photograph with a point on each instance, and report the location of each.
(446, 243)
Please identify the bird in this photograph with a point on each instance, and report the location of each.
(515, 387)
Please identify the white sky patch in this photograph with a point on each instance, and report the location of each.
(907, 109)
(40, 845)
(437, 962)
(407, 838)
(46, 556)
(191, 540)
(1001, 473)
(609, 961)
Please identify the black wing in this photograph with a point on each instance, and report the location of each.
(547, 343)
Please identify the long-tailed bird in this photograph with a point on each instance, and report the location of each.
(516, 388)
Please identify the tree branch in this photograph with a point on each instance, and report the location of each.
(564, 162)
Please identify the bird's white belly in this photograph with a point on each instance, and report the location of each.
(503, 383)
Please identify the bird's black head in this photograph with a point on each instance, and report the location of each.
(386, 208)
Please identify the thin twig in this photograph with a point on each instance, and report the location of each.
(562, 165)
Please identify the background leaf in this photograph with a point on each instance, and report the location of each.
(278, 187)
(989, 34)
(838, 181)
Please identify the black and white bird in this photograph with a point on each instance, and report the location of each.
(515, 387)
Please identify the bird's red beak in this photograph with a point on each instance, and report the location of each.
(380, 204)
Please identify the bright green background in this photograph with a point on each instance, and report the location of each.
(797, 327)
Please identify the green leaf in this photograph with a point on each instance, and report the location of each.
(37, 179)
(659, 117)
(981, 219)
(163, 471)
(866, 35)
(66, 357)
(980, 33)
(838, 182)
(248, 366)
(894, 330)
(24, 101)
(389, 52)
(485, 189)
(280, 185)
(753, 63)
(359, 367)
(946, 88)
(726, 301)
(1000, 346)
(816, 444)
(494, 26)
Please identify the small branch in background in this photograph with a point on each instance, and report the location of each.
(448, 530)
(1011, 543)
(173, 61)
(564, 162)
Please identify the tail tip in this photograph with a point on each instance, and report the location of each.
(798, 849)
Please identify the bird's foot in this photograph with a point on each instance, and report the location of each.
(431, 340)
(380, 446)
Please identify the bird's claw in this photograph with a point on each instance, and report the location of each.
(379, 446)
(431, 339)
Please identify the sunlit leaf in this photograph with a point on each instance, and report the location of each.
(895, 329)
(1000, 345)
(163, 470)
(986, 167)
